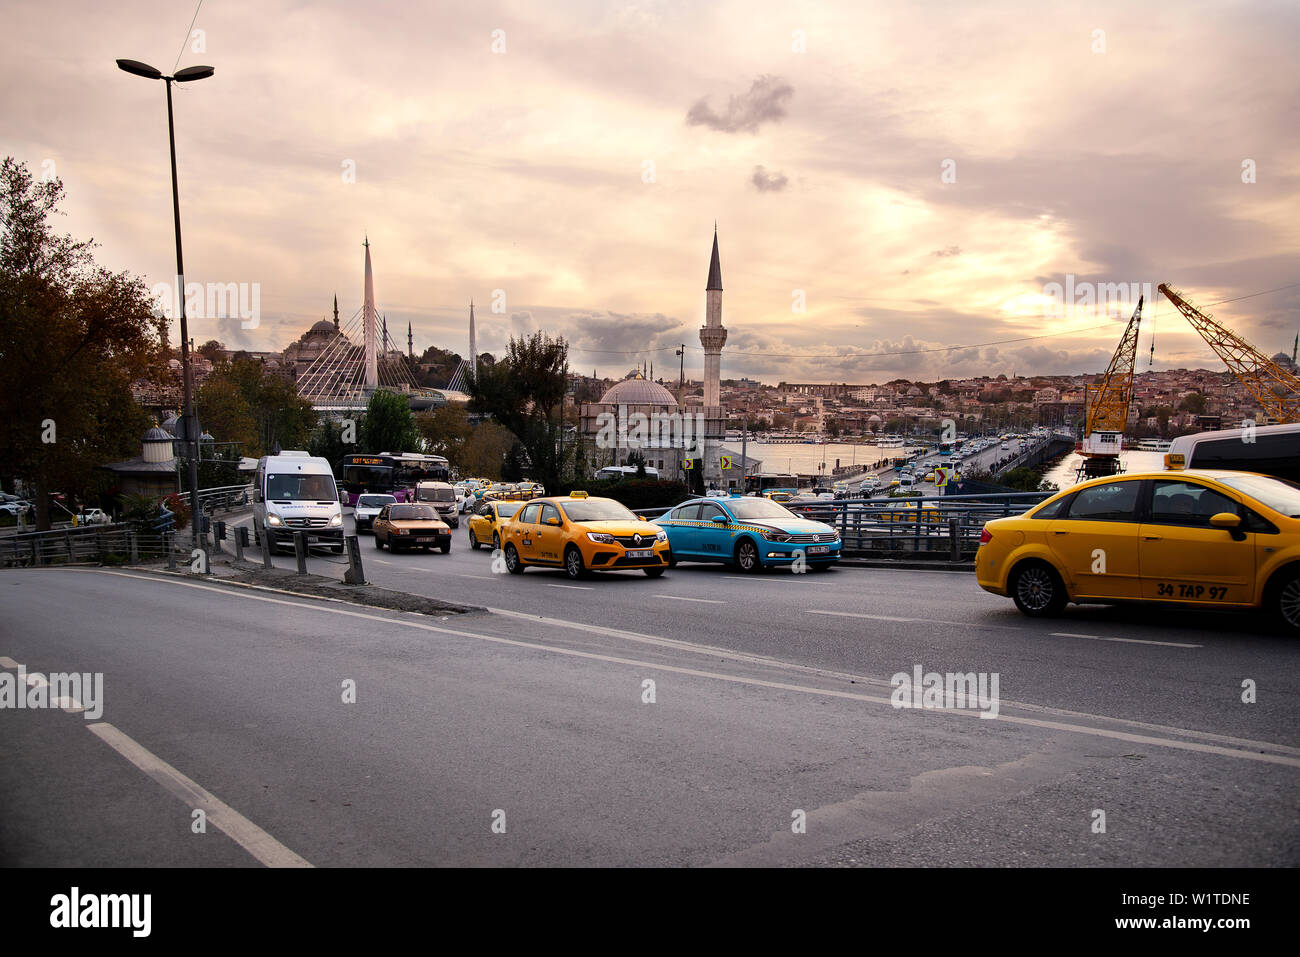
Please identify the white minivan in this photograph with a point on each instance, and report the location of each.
(292, 492)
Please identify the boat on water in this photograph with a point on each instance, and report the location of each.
(1152, 445)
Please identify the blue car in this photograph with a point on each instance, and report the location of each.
(750, 533)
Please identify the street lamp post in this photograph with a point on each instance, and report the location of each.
(190, 421)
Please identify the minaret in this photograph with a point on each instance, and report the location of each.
(713, 335)
(473, 345)
(368, 326)
(336, 312)
(410, 342)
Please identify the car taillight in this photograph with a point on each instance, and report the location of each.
(985, 536)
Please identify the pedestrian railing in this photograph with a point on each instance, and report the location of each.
(224, 498)
(92, 544)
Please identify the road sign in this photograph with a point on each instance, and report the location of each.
(726, 461)
(942, 475)
(689, 463)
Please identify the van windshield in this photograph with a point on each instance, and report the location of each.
(446, 494)
(296, 487)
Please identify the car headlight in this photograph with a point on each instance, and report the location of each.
(777, 537)
(273, 519)
(336, 521)
(662, 536)
(601, 538)
(403, 531)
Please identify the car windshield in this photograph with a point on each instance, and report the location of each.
(297, 487)
(758, 508)
(412, 513)
(1278, 494)
(375, 501)
(598, 510)
(506, 509)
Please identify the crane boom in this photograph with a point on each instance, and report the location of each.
(1273, 387)
(1107, 410)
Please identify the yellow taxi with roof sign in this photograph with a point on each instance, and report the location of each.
(581, 534)
(1200, 537)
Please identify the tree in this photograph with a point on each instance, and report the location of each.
(484, 451)
(327, 442)
(73, 337)
(1193, 402)
(242, 402)
(445, 431)
(388, 425)
(212, 350)
(523, 391)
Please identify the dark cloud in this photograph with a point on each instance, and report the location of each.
(764, 102)
(947, 251)
(766, 182)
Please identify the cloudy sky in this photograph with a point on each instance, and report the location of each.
(890, 180)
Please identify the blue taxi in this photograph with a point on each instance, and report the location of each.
(750, 533)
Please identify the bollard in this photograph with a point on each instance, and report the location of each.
(265, 538)
(355, 575)
(954, 540)
(300, 550)
(240, 535)
(169, 543)
(218, 533)
(134, 546)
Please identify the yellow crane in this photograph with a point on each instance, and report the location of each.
(1106, 405)
(1276, 389)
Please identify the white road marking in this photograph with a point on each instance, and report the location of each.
(707, 601)
(459, 575)
(850, 614)
(765, 579)
(1248, 749)
(7, 662)
(578, 587)
(230, 822)
(1131, 641)
(381, 561)
(69, 704)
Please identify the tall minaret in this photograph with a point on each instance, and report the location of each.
(473, 345)
(713, 336)
(336, 312)
(410, 342)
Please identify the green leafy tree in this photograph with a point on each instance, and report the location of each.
(243, 402)
(445, 431)
(524, 391)
(1193, 402)
(485, 450)
(73, 337)
(327, 442)
(388, 425)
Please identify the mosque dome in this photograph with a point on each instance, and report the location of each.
(638, 391)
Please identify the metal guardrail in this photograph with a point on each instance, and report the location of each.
(949, 524)
(224, 498)
(97, 544)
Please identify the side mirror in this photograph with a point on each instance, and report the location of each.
(720, 519)
(552, 521)
(1225, 520)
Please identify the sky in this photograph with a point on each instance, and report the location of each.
(896, 186)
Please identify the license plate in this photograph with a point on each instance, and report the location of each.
(642, 553)
(424, 540)
(818, 549)
(313, 539)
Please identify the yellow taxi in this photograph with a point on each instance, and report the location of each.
(487, 519)
(582, 534)
(1202, 537)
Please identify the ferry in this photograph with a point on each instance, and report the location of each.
(1152, 445)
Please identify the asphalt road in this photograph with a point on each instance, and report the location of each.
(772, 696)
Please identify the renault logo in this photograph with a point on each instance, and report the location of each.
(636, 539)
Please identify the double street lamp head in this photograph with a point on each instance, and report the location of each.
(153, 73)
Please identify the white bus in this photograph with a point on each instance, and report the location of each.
(625, 471)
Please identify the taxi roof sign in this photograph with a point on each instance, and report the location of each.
(1175, 461)
(577, 495)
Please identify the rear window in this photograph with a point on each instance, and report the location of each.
(375, 501)
(412, 513)
(1112, 502)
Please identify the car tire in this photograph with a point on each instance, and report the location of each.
(473, 542)
(746, 557)
(672, 561)
(513, 564)
(653, 572)
(445, 547)
(496, 541)
(573, 566)
(379, 542)
(1038, 590)
(1284, 600)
